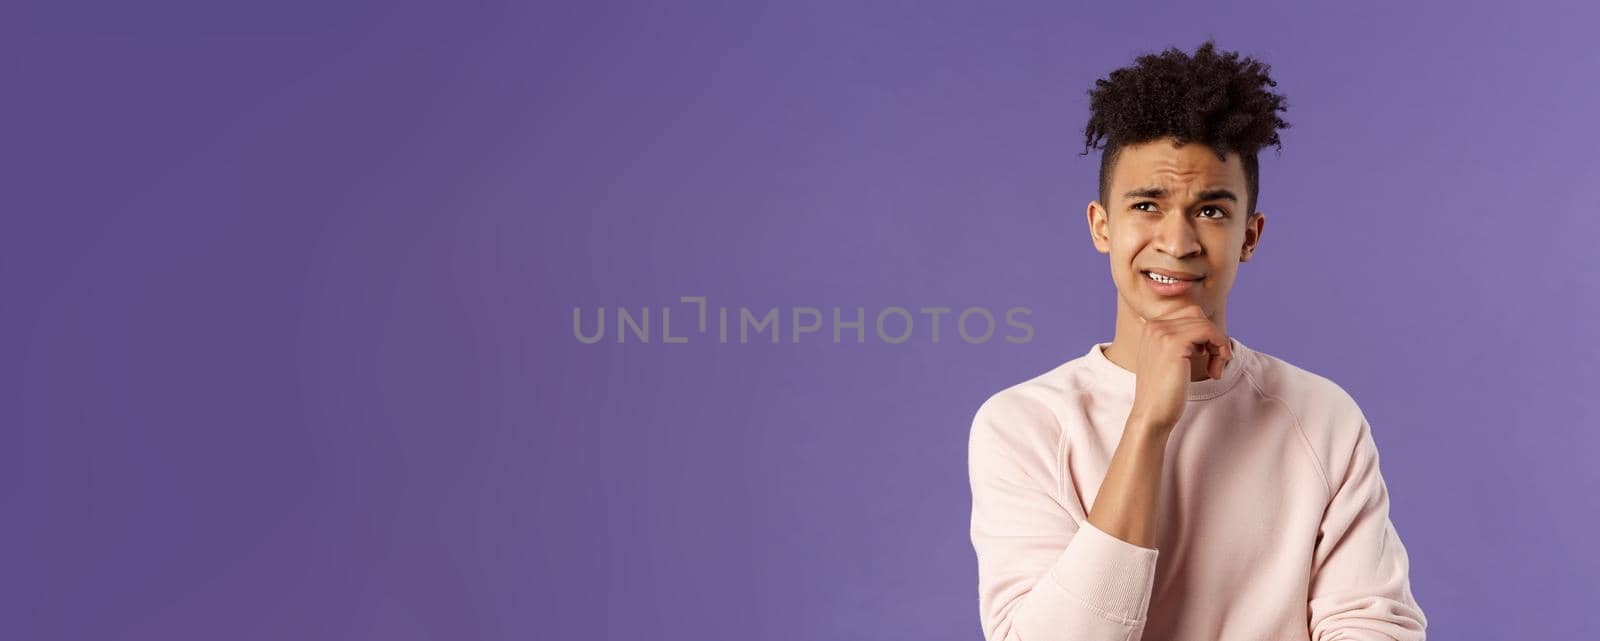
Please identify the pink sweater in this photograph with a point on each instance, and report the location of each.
(1273, 518)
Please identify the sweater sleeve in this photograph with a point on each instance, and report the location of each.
(1042, 575)
(1360, 588)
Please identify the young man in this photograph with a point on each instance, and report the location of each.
(1173, 483)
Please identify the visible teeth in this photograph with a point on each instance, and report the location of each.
(1159, 278)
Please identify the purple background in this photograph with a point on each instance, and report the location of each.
(288, 294)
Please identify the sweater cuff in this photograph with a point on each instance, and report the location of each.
(1108, 574)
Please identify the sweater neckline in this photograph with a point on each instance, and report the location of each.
(1124, 381)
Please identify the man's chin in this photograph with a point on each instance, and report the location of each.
(1146, 306)
(1167, 306)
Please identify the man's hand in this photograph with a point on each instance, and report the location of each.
(1168, 348)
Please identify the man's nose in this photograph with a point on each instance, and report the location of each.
(1176, 236)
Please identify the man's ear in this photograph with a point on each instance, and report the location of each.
(1099, 227)
(1252, 234)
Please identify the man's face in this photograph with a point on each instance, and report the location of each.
(1176, 211)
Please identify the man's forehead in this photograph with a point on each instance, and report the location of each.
(1161, 166)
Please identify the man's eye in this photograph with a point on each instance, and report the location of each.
(1138, 205)
(1220, 212)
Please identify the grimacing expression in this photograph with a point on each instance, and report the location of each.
(1179, 211)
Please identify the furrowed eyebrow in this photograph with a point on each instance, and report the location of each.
(1158, 192)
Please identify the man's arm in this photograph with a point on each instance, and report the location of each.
(1171, 349)
(1360, 584)
(1042, 576)
(1125, 506)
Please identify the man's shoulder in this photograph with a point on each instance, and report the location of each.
(1021, 423)
(1324, 411)
(1048, 386)
(1035, 401)
(1275, 376)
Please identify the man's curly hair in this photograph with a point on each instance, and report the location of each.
(1213, 98)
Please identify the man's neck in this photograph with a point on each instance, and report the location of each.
(1124, 347)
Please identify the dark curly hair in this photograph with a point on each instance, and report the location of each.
(1213, 98)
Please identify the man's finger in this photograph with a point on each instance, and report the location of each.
(1205, 335)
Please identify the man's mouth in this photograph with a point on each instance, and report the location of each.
(1171, 278)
